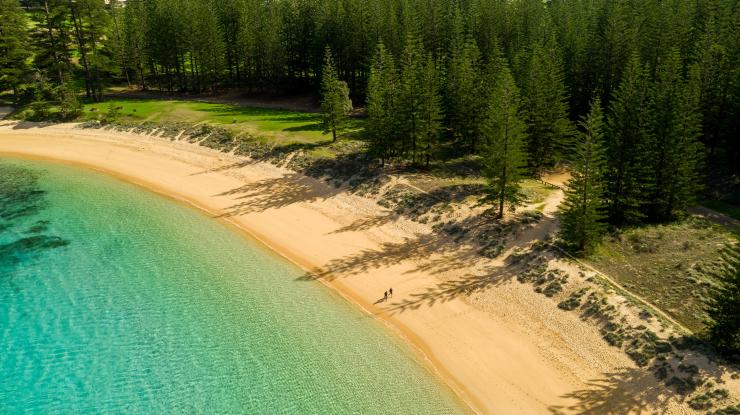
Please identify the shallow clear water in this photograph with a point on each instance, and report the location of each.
(117, 300)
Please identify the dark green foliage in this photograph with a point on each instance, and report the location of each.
(573, 301)
(430, 118)
(666, 73)
(335, 102)
(51, 40)
(546, 107)
(717, 52)
(728, 410)
(724, 311)
(504, 159)
(707, 399)
(676, 125)
(582, 210)
(111, 113)
(545, 281)
(404, 104)
(418, 103)
(89, 23)
(13, 46)
(69, 104)
(466, 97)
(382, 102)
(629, 145)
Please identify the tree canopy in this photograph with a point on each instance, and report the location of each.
(664, 71)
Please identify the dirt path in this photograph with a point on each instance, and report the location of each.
(716, 217)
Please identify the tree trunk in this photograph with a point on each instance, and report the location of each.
(52, 42)
(83, 53)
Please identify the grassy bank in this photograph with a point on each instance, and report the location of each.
(673, 266)
(281, 126)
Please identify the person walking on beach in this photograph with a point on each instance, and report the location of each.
(385, 296)
(390, 292)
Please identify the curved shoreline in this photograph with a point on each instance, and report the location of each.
(504, 350)
(416, 345)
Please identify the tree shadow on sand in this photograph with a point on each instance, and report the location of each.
(276, 193)
(449, 290)
(618, 393)
(447, 248)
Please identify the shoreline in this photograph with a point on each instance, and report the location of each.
(416, 347)
(503, 350)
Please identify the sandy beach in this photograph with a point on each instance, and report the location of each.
(503, 350)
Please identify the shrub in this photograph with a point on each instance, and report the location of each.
(111, 114)
(573, 301)
(707, 399)
(70, 106)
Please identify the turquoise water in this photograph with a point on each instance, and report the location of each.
(117, 300)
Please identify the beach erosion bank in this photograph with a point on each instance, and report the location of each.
(507, 350)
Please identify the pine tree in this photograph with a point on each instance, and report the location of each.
(13, 45)
(430, 111)
(89, 21)
(465, 97)
(546, 108)
(720, 89)
(689, 154)
(410, 101)
(676, 125)
(382, 100)
(68, 103)
(51, 40)
(581, 213)
(335, 102)
(135, 46)
(504, 159)
(629, 146)
(724, 310)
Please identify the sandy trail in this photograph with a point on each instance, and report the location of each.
(503, 348)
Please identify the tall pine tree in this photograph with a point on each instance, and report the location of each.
(410, 101)
(581, 213)
(676, 125)
(431, 110)
(335, 102)
(546, 108)
(465, 96)
(504, 158)
(629, 146)
(382, 100)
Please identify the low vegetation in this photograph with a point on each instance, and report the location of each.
(282, 127)
(674, 359)
(673, 266)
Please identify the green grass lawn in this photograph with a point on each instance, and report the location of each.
(673, 266)
(281, 126)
